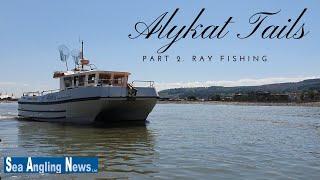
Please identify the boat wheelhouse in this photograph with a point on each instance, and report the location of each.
(91, 78)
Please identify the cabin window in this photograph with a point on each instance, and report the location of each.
(67, 82)
(81, 80)
(119, 79)
(75, 81)
(105, 79)
(91, 78)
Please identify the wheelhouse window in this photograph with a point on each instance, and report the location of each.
(91, 78)
(67, 82)
(105, 79)
(117, 79)
(75, 81)
(81, 80)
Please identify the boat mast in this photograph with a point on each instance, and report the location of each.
(82, 54)
(81, 49)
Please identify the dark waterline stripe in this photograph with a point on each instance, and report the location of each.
(86, 99)
(41, 111)
(61, 117)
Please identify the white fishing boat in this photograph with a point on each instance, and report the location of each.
(87, 95)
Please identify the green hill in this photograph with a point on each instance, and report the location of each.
(206, 92)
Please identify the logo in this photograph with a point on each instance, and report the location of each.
(52, 165)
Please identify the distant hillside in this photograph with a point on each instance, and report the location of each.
(206, 92)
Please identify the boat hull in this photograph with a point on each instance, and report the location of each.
(102, 110)
(89, 105)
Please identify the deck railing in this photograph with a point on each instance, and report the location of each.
(49, 91)
(100, 82)
(142, 82)
(38, 93)
(32, 93)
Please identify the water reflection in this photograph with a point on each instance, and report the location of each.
(119, 148)
(217, 142)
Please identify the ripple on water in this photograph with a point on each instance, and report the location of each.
(182, 141)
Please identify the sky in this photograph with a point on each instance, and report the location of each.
(31, 31)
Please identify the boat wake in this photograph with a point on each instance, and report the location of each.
(8, 116)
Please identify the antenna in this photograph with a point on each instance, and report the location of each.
(76, 56)
(81, 49)
(64, 54)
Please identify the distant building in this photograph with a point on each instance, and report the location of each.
(7, 97)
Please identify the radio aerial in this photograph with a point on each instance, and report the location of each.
(76, 54)
(64, 54)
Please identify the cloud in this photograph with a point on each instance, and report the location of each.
(240, 82)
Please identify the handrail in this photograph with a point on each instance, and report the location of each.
(34, 93)
(151, 83)
(49, 91)
(37, 93)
